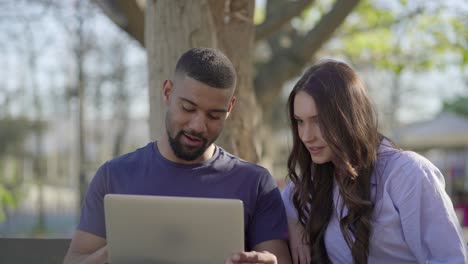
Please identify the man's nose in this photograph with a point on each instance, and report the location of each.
(198, 124)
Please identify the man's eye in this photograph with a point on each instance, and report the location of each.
(187, 109)
(214, 117)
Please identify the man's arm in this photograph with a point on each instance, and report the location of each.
(268, 252)
(86, 248)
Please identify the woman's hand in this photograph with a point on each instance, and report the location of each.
(300, 250)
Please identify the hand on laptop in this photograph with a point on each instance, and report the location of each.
(263, 257)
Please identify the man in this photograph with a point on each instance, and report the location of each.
(186, 162)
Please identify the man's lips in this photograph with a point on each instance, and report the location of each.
(192, 140)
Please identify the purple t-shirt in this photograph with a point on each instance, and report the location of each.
(146, 172)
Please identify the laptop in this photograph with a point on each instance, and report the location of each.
(172, 230)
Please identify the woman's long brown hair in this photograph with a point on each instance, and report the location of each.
(349, 126)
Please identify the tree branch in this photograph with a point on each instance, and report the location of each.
(287, 63)
(128, 15)
(278, 16)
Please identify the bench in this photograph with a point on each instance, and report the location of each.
(33, 250)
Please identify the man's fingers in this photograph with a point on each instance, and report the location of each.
(253, 257)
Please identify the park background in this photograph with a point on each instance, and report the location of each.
(80, 83)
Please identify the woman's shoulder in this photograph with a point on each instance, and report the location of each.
(408, 167)
(405, 165)
(409, 160)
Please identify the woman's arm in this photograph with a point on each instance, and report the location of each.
(300, 250)
(430, 225)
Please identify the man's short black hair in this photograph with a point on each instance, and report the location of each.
(209, 66)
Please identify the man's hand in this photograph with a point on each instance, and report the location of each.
(263, 257)
(300, 250)
(86, 248)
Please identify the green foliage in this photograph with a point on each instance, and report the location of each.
(458, 105)
(10, 187)
(392, 39)
(461, 33)
(259, 15)
(13, 131)
(311, 15)
(370, 15)
(376, 43)
(6, 200)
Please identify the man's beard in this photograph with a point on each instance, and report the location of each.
(183, 152)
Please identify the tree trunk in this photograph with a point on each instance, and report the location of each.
(81, 90)
(395, 102)
(174, 26)
(38, 166)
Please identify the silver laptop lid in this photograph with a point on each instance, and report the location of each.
(161, 229)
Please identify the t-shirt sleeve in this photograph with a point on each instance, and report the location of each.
(269, 217)
(92, 213)
(286, 195)
(428, 220)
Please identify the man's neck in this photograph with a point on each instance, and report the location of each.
(166, 151)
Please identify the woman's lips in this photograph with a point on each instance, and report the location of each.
(315, 150)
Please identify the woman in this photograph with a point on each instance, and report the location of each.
(353, 196)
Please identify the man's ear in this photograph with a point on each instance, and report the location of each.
(167, 89)
(231, 105)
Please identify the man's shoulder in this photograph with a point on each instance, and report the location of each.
(131, 158)
(249, 172)
(239, 163)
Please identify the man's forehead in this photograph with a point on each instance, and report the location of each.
(183, 78)
(189, 85)
(202, 95)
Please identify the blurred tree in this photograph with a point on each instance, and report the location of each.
(80, 49)
(458, 105)
(414, 38)
(13, 131)
(73, 73)
(14, 128)
(100, 80)
(82, 42)
(227, 25)
(33, 48)
(121, 95)
(76, 24)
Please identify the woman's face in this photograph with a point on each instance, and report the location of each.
(306, 115)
